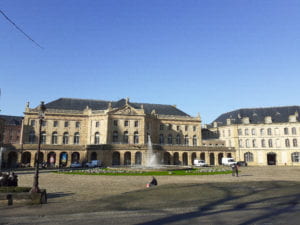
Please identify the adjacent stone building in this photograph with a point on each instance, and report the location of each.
(261, 136)
(10, 137)
(115, 132)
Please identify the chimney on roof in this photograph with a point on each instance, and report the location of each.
(127, 101)
(109, 106)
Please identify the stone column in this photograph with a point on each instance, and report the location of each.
(180, 157)
(132, 158)
(32, 160)
(122, 158)
(216, 154)
(207, 159)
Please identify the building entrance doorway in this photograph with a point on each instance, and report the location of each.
(271, 158)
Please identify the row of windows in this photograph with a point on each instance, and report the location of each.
(126, 123)
(177, 139)
(170, 127)
(55, 123)
(262, 131)
(54, 138)
(125, 137)
(295, 156)
(254, 144)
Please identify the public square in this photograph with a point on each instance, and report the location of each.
(260, 195)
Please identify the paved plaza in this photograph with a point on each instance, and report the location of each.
(260, 195)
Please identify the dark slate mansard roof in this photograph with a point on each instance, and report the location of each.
(12, 120)
(81, 104)
(257, 115)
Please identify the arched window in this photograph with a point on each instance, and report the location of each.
(125, 137)
(178, 139)
(54, 138)
(76, 138)
(43, 137)
(295, 157)
(269, 131)
(248, 157)
(115, 136)
(263, 143)
(294, 130)
(170, 139)
(186, 140)
(295, 144)
(194, 140)
(246, 131)
(97, 138)
(262, 131)
(287, 143)
(136, 137)
(253, 131)
(66, 138)
(270, 143)
(32, 137)
(161, 139)
(254, 143)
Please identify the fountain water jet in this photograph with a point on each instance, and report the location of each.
(151, 158)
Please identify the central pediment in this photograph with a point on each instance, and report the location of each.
(126, 110)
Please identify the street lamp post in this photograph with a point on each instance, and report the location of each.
(35, 187)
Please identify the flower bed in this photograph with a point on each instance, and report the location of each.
(141, 172)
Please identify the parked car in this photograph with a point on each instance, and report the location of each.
(93, 163)
(242, 163)
(200, 162)
(76, 165)
(228, 161)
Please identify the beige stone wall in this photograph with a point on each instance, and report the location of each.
(244, 136)
(102, 122)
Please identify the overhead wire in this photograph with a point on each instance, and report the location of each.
(18, 28)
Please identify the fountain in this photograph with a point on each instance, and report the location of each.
(151, 158)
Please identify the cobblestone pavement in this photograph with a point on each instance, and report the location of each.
(84, 188)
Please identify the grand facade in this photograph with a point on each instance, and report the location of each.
(261, 136)
(117, 133)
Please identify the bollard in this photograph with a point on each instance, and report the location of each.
(9, 198)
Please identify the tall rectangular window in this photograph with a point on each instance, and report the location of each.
(77, 124)
(186, 127)
(161, 127)
(32, 123)
(55, 123)
(115, 122)
(66, 123)
(136, 123)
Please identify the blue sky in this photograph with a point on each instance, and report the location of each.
(206, 56)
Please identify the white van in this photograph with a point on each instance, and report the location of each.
(200, 162)
(228, 161)
(93, 163)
